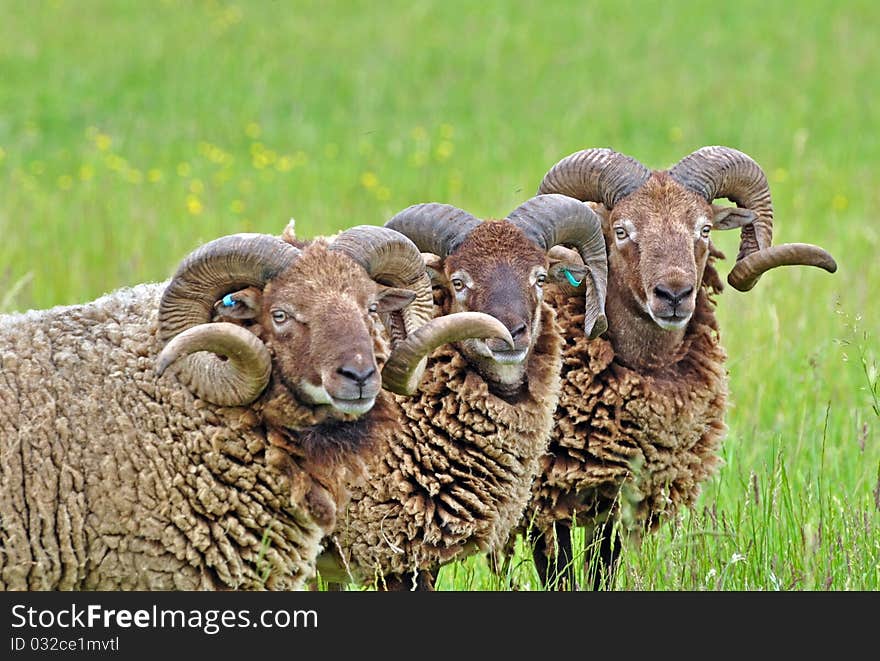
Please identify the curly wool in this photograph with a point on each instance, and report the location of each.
(114, 480)
(642, 441)
(457, 477)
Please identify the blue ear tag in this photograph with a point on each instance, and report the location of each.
(571, 278)
(228, 301)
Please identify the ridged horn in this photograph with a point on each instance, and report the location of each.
(400, 374)
(218, 267)
(559, 220)
(391, 259)
(717, 171)
(237, 379)
(745, 273)
(595, 175)
(434, 227)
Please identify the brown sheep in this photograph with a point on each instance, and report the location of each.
(456, 480)
(641, 412)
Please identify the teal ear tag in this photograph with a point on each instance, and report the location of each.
(228, 301)
(571, 279)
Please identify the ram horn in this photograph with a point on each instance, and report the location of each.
(231, 371)
(434, 227)
(237, 379)
(745, 273)
(391, 259)
(715, 172)
(399, 374)
(595, 175)
(553, 220)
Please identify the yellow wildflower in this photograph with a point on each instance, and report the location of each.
(443, 150)
(103, 141)
(193, 205)
(369, 180)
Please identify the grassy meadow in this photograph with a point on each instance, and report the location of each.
(131, 132)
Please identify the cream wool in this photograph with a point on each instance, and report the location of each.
(113, 480)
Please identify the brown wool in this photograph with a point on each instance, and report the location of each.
(639, 444)
(455, 479)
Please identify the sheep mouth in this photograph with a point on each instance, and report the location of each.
(671, 321)
(361, 401)
(508, 357)
(492, 350)
(357, 406)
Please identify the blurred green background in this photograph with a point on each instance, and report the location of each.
(131, 132)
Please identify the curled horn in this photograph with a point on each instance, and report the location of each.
(391, 259)
(595, 175)
(435, 228)
(747, 270)
(551, 220)
(236, 381)
(399, 377)
(229, 367)
(715, 172)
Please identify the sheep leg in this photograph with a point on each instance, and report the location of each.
(423, 581)
(554, 560)
(601, 564)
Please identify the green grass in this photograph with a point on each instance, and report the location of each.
(132, 131)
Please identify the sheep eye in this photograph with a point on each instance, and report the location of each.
(620, 233)
(540, 280)
(279, 316)
(374, 307)
(705, 230)
(457, 284)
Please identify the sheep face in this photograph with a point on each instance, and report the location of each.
(316, 319)
(658, 246)
(498, 271)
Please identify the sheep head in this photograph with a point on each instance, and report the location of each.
(658, 248)
(658, 224)
(608, 177)
(251, 309)
(500, 267)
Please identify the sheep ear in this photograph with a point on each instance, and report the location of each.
(566, 267)
(567, 274)
(728, 218)
(434, 268)
(243, 304)
(391, 299)
(602, 211)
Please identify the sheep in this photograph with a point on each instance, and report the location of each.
(457, 478)
(226, 471)
(642, 410)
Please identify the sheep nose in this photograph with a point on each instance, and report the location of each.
(673, 296)
(358, 375)
(517, 331)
